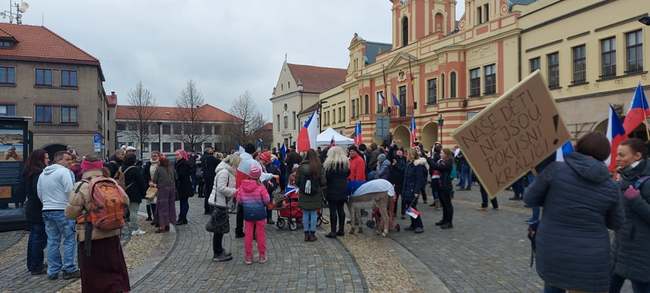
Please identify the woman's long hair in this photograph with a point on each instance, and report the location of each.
(337, 158)
(35, 163)
(164, 162)
(314, 164)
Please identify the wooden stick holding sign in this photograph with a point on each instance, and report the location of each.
(513, 134)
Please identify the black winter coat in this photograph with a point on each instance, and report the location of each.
(580, 202)
(444, 167)
(33, 206)
(632, 245)
(113, 165)
(136, 186)
(183, 179)
(397, 170)
(415, 178)
(208, 166)
(337, 184)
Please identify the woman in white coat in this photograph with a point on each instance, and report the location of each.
(224, 189)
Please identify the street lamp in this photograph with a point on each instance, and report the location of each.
(441, 122)
(645, 20)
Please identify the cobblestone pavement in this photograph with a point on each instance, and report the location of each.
(8, 239)
(294, 266)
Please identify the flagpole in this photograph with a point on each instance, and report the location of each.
(412, 93)
(383, 101)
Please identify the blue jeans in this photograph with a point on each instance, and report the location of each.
(534, 218)
(617, 282)
(551, 289)
(465, 176)
(58, 227)
(309, 219)
(185, 207)
(36, 246)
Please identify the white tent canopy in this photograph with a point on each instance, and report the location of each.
(330, 134)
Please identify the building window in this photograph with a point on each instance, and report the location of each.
(608, 57)
(340, 116)
(475, 82)
(69, 114)
(366, 104)
(380, 101)
(634, 50)
(189, 129)
(155, 147)
(207, 129)
(402, 101)
(534, 64)
(295, 118)
(155, 128)
(333, 115)
(442, 86)
(278, 121)
(166, 129)
(553, 61)
(452, 85)
(167, 147)
(343, 116)
(579, 64)
(177, 128)
(431, 92)
(4, 44)
(405, 31)
(177, 146)
(7, 75)
(479, 15)
(218, 129)
(354, 108)
(120, 126)
(44, 77)
(7, 110)
(490, 74)
(43, 114)
(286, 122)
(68, 78)
(131, 126)
(486, 10)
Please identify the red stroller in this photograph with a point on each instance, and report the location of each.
(289, 214)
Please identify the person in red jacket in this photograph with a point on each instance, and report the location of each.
(357, 170)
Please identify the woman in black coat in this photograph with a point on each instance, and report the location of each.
(183, 185)
(33, 212)
(444, 166)
(136, 189)
(581, 202)
(415, 178)
(337, 170)
(632, 244)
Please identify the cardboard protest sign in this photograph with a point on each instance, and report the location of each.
(513, 134)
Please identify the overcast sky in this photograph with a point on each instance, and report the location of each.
(227, 47)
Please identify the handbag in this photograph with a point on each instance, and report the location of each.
(219, 221)
(152, 192)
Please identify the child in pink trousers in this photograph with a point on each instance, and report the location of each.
(253, 197)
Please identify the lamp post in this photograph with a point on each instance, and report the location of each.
(159, 136)
(645, 20)
(441, 122)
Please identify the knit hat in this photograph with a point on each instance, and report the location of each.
(381, 158)
(265, 157)
(255, 172)
(88, 166)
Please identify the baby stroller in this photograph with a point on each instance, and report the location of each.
(289, 214)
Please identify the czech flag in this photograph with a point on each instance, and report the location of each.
(615, 135)
(413, 131)
(563, 151)
(358, 138)
(308, 133)
(382, 100)
(395, 100)
(413, 213)
(638, 111)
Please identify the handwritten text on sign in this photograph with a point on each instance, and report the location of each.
(515, 133)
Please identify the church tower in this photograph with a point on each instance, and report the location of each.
(414, 20)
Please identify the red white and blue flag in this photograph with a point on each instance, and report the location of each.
(638, 111)
(308, 133)
(358, 137)
(615, 135)
(413, 132)
(413, 213)
(395, 100)
(563, 151)
(382, 100)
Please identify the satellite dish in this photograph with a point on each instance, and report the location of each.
(23, 7)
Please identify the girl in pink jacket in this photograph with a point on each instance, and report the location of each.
(253, 197)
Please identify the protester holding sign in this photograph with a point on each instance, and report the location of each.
(580, 202)
(632, 256)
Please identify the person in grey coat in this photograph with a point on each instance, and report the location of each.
(631, 255)
(580, 202)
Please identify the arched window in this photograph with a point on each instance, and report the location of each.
(405, 31)
(442, 86)
(452, 85)
(366, 105)
(438, 22)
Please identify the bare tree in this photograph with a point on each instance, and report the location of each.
(188, 106)
(142, 103)
(250, 119)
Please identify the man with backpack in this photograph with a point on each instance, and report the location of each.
(53, 188)
(99, 205)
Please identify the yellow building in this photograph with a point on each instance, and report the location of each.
(439, 70)
(591, 53)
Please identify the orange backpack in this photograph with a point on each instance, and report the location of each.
(108, 204)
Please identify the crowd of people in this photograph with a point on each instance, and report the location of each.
(579, 197)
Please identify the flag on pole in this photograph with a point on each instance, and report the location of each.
(615, 135)
(413, 131)
(638, 111)
(395, 100)
(283, 152)
(413, 213)
(358, 138)
(563, 151)
(308, 133)
(382, 100)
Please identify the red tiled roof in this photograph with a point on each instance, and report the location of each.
(37, 43)
(268, 126)
(112, 99)
(206, 113)
(317, 79)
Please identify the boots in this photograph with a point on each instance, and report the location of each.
(307, 237)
